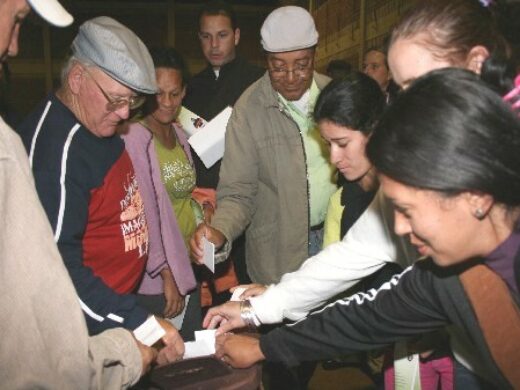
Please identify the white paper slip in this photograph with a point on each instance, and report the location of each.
(208, 142)
(407, 374)
(193, 349)
(207, 336)
(179, 318)
(191, 122)
(236, 294)
(208, 256)
(149, 332)
(203, 345)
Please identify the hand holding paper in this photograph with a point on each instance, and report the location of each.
(197, 245)
(208, 257)
(203, 345)
(149, 332)
(174, 345)
(225, 317)
(154, 329)
(191, 122)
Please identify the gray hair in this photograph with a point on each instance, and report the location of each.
(69, 63)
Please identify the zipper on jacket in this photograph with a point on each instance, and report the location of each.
(283, 111)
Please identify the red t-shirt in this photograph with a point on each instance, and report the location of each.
(115, 244)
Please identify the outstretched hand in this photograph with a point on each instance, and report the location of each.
(174, 345)
(213, 235)
(224, 317)
(239, 351)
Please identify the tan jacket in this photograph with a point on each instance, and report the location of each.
(263, 186)
(44, 339)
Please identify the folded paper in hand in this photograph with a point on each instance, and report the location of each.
(149, 332)
(208, 142)
(203, 345)
(208, 254)
(191, 122)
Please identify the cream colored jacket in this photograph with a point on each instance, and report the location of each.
(44, 341)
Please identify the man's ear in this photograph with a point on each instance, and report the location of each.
(476, 57)
(74, 78)
(237, 36)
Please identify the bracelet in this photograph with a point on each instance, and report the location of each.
(247, 313)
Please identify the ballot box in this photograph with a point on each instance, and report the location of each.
(202, 373)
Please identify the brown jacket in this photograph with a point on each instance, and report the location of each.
(263, 184)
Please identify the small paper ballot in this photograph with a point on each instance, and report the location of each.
(191, 122)
(208, 142)
(203, 345)
(149, 332)
(208, 256)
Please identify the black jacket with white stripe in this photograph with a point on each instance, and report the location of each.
(423, 298)
(82, 181)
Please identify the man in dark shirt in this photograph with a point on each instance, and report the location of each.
(86, 181)
(219, 85)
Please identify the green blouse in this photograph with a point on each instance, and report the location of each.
(178, 176)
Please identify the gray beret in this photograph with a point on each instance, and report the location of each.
(287, 29)
(117, 51)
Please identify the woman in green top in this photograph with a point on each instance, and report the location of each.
(165, 173)
(177, 170)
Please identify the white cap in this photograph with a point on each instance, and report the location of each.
(52, 11)
(287, 29)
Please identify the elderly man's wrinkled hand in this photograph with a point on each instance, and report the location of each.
(173, 344)
(148, 356)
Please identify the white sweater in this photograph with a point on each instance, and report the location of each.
(368, 245)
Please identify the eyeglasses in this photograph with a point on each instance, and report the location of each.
(114, 104)
(300, 71)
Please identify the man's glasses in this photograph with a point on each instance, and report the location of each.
(114, 104)
(300, 71)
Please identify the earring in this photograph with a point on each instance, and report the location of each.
(479, 214)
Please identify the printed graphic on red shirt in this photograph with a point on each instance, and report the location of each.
(133, 222)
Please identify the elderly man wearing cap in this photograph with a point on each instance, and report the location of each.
(45, 342)
(86, 181)
(275, 179)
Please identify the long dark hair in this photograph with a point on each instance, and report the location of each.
(355, 101)
(449, 132)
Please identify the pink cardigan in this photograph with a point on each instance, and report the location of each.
(167, 246)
